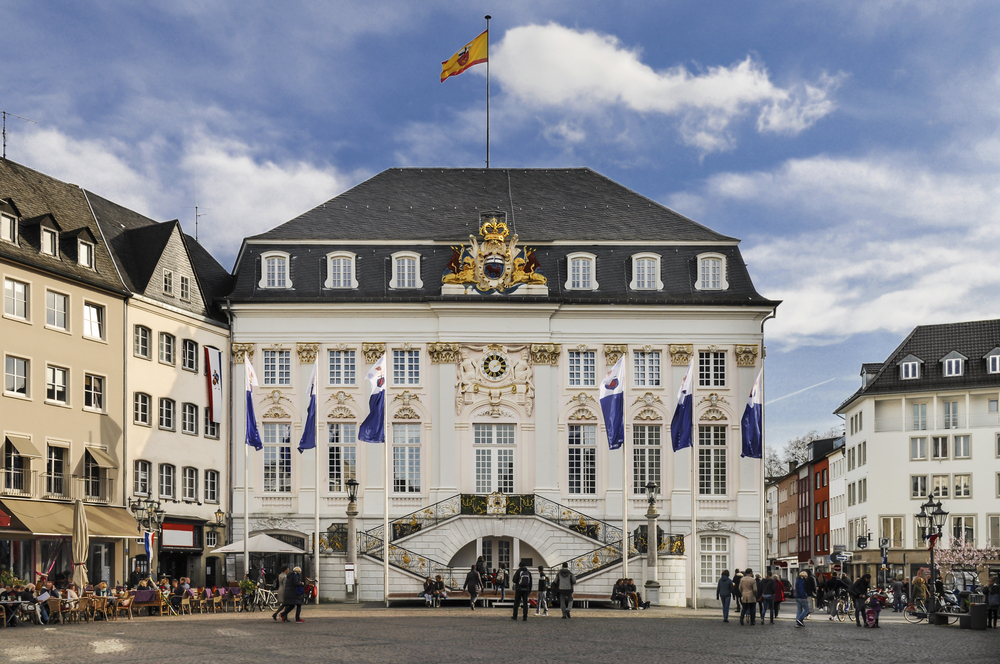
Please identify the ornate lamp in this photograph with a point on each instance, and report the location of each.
(651, 488)
(939, 517)
(923, 517)
(352, 490)
(219, 517)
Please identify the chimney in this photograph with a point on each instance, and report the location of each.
(791, 466)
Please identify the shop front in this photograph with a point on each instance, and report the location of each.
(181, 549)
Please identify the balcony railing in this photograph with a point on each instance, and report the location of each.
(57, 486)
(17, 482)
(95, 489)
(888, 424)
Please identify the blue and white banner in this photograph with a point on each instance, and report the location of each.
(372, 430)
(613, 404)
(308, 441)
(682, 424)
(253, 435)
(751, 426)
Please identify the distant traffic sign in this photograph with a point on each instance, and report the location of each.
(837, 567)
(839, 557)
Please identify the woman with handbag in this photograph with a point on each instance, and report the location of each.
(295, 590)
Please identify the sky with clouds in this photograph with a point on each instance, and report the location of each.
(852, 146)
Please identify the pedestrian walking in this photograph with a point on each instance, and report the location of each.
(565, 581)
(522, 589)
(543, 589)
(737, 577)
(810, 585)
(767, 592)
(760, 597)
(801, 600)
(481, 568)
(724, 592)
(748, 592)
(859, 592)
(779, 597)
(897, 596)
(992, 591)
(473, 583)
(834, 588)
(503, 580)
(280, 593)
(293, 592)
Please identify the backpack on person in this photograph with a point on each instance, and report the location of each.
(524, 580)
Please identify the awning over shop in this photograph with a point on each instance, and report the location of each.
(103, 459)
(24, 446)
(56, 519)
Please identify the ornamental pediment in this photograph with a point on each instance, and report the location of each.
(494, 266)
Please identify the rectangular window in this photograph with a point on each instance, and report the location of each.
(494, 467)
(939, 486)
(168, 282)
(189, 419)
(211, 428)
(166, 420)
(211, 539)
(645, 456)
(909, 370)
(342, 457)
(711, 273)
(85, 254)
(962, 448)
(950, 414)
(185, 288)
(406, 273)
(8, 228)
(953, 367)
(57, 310)
(714, 556)
(166, 481)
(994, 531)
(140, 408)
(211, 486)
(167, 348)
(582, 459)
(918, 448)
(826, 509)
(189, 355)
(277, 458)
(963, 528)
(277, 367)
(56, 384)
(919, 417)
(646, 368)
(93, 321)
(50, 242)
(863, 453)
(140, 341)
(711, 369)
(406, 458)
(276, 272)
(55, 472)
(190, 484)
(892, 529)
(863, 490)
(993, 364)
(579, 273)
(140, 479)
(939, 445)
(963, 486)
(712, 454)
(582, 368)
(93, 392)
(826, 477)
(645, 273)
(918, 486)
(340, 273)
(15, 298)
(15, 375)
(342, 367)
(406, 367)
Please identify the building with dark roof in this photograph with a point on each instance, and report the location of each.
(499, 297)
(925, 425)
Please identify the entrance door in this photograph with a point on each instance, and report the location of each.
(99, 563)
(212, 571)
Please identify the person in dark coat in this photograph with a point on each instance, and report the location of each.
(992, 592)
(474, 583)
(897, 596)
(565, 581)
(767, 592)
(859, 592)
(724, 592)
(543, 590)
(503, 580)
(481, 568)
(294, 591)
(737, 577)
(522, 589)
(279, 591)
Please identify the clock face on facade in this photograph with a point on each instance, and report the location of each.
(495, 365)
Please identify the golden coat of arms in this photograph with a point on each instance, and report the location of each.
(497, 265)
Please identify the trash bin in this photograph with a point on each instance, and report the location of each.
(977, 613)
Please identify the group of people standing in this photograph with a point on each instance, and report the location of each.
(752, 594)
(291, 593)
(523, 583)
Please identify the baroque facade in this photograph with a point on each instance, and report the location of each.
(500, 297)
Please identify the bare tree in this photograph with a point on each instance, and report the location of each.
(776, 460)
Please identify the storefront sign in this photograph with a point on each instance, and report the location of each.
(177, 534)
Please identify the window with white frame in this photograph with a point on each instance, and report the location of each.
(582, 368)
(406, 367)
(646, 272)
(919, 417)
(140, 478)
(940, 486)
(712, 454)
(185, 288)
(211, 486)
(168, 282)
(406, 270)
(189, 419)
(582, 271)
(8, 228)
(140, 342)
(963, 528)
(862, 453)
(950, 414)
(908, 370)
(57, 384)
(50, 242)
(939, 447)
(863, 490)
(963, 486)
(167, 348)
(211, 539)
(993, 364)
(962, 449)
(646, 368)
(93, 392)
(711, 272)
(57, 310)
(953, 367)
(340, 272)
(711, 369)
(494, 449)
(85, 254)
(892, 529)
(582, 459)
(211, 428)
(406, 458)
(93, 321)
(15, 299)
(189, 484)
(995, 528)
(277, 457)
(189, 355)
(167, 414)
(918, 486)
(140, 408)
(918, 448)
(645, 456)
(15, 376)
(274, 270)
(343, 367)
(714, 555)
(167, 473)
(342, 455)
(277, 367)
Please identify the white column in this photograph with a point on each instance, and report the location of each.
(515, 554)
(445, 453)
(547, 442)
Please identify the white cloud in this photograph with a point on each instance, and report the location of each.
(552, 66)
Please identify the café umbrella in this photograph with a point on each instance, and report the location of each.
(260, 544)
(81, 545)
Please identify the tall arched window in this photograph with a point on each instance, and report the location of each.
(274, 270)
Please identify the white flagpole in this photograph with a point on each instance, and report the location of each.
(385, 479)
(694, 496)
(316, 520)
(760, 395)
(246, 473)
(625, 461)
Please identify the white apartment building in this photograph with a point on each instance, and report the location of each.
(838, 500)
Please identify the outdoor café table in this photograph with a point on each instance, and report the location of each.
(9, 611)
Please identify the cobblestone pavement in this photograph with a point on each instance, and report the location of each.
(373, 634)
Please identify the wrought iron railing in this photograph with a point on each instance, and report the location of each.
(57, 485)
(96, 489)
(426, 517)
(412, 562)
(17, 482)
(567, 517)
(665, 543)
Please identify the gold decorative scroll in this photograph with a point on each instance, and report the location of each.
(372, 351)
(307, 352)
(680, 354)
(242, 352)
(442, 352)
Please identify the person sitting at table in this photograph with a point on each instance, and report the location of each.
(176, 594)
(71, 593)
(51, 589)
(40, 608)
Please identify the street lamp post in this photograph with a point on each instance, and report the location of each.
(149, 516)
(932, 523)
(352, 529)
(652, 547)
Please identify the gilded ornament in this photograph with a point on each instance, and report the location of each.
(680, 354)
(648, 414)
(712, 415)
(746, 356)
(442, 352)
(242, 352)
(613, 353)
(341, 413)
(372, 351)
(582, 414)
(497, 265)
(406, 413)
(545, 353)
(307, 352)
(648, 398)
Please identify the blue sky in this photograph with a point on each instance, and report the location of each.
(853, 146)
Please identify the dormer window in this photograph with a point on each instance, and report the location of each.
(953, 367)
(274, 270)
(50, 242)
(908, 370)
(340, 271)
(8, 228)
(993, 361)
(85, 254)
(646, 272)
(711, 272)
(168, 283)
(582, 272)
(406, 270)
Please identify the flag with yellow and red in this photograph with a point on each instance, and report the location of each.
(473, 53)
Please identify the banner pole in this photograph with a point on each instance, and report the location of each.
(488, 17)
(316, 520)
(625, 546)
(246, 479)
(385, 479)
(694, 497)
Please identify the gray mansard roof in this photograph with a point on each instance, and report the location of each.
(554, 211)
(929, 345)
